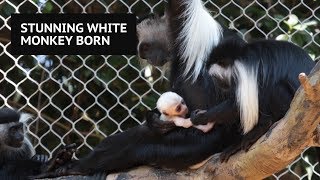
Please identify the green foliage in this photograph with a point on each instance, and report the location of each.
(300, 33)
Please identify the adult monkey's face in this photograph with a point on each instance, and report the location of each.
(154, 40)
(11, 130)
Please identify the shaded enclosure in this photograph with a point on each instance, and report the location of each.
(84, 99)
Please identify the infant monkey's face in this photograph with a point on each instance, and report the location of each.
(178, 109)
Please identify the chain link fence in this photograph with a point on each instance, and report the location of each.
(84, 99)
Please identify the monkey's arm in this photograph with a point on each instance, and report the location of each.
(182, 122)
(225, 112)
(186, 123)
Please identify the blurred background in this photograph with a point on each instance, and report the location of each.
(84, 99)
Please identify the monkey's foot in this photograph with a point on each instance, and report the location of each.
(227, 153)
(249, 139)
(62, 157)
(246, 143)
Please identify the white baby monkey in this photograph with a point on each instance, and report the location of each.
(173, 108)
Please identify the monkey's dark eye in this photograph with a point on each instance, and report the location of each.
(178, 108)
(166, 114)
(16, 128)
(182, 102)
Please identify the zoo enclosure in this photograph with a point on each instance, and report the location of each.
(84, 99)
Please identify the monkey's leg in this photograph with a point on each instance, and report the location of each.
(117, 152)
(248, 139)
(178, 149)
(278, 108)
(261, 128)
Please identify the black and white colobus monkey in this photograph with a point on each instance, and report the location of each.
(177, 148)
(261, 78)
(17, 155)
(194, 36)
(13, 143)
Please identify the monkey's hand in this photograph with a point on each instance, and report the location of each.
(181, 122)
(205, 128)
(199, 117)
(60, 158)
(154, 122)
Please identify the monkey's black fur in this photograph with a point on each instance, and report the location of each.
(17, 159)
(15, 150)
(161, 144)
(8, 115)
(278, 65)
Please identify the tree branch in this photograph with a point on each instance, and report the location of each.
(298, 130)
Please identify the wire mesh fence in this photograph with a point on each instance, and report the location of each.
(84, 99)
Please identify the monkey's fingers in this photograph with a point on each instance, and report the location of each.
(50, 165)
(197, 111)
(67, 156)
(246, 145)
(60, 158)
(67, 152)
(226, 154)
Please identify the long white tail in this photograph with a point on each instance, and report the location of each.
(199, 34)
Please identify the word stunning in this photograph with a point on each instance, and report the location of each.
(61, 28)
(73, 34)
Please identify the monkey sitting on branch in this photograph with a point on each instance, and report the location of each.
(17, 155)
(173, 108)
